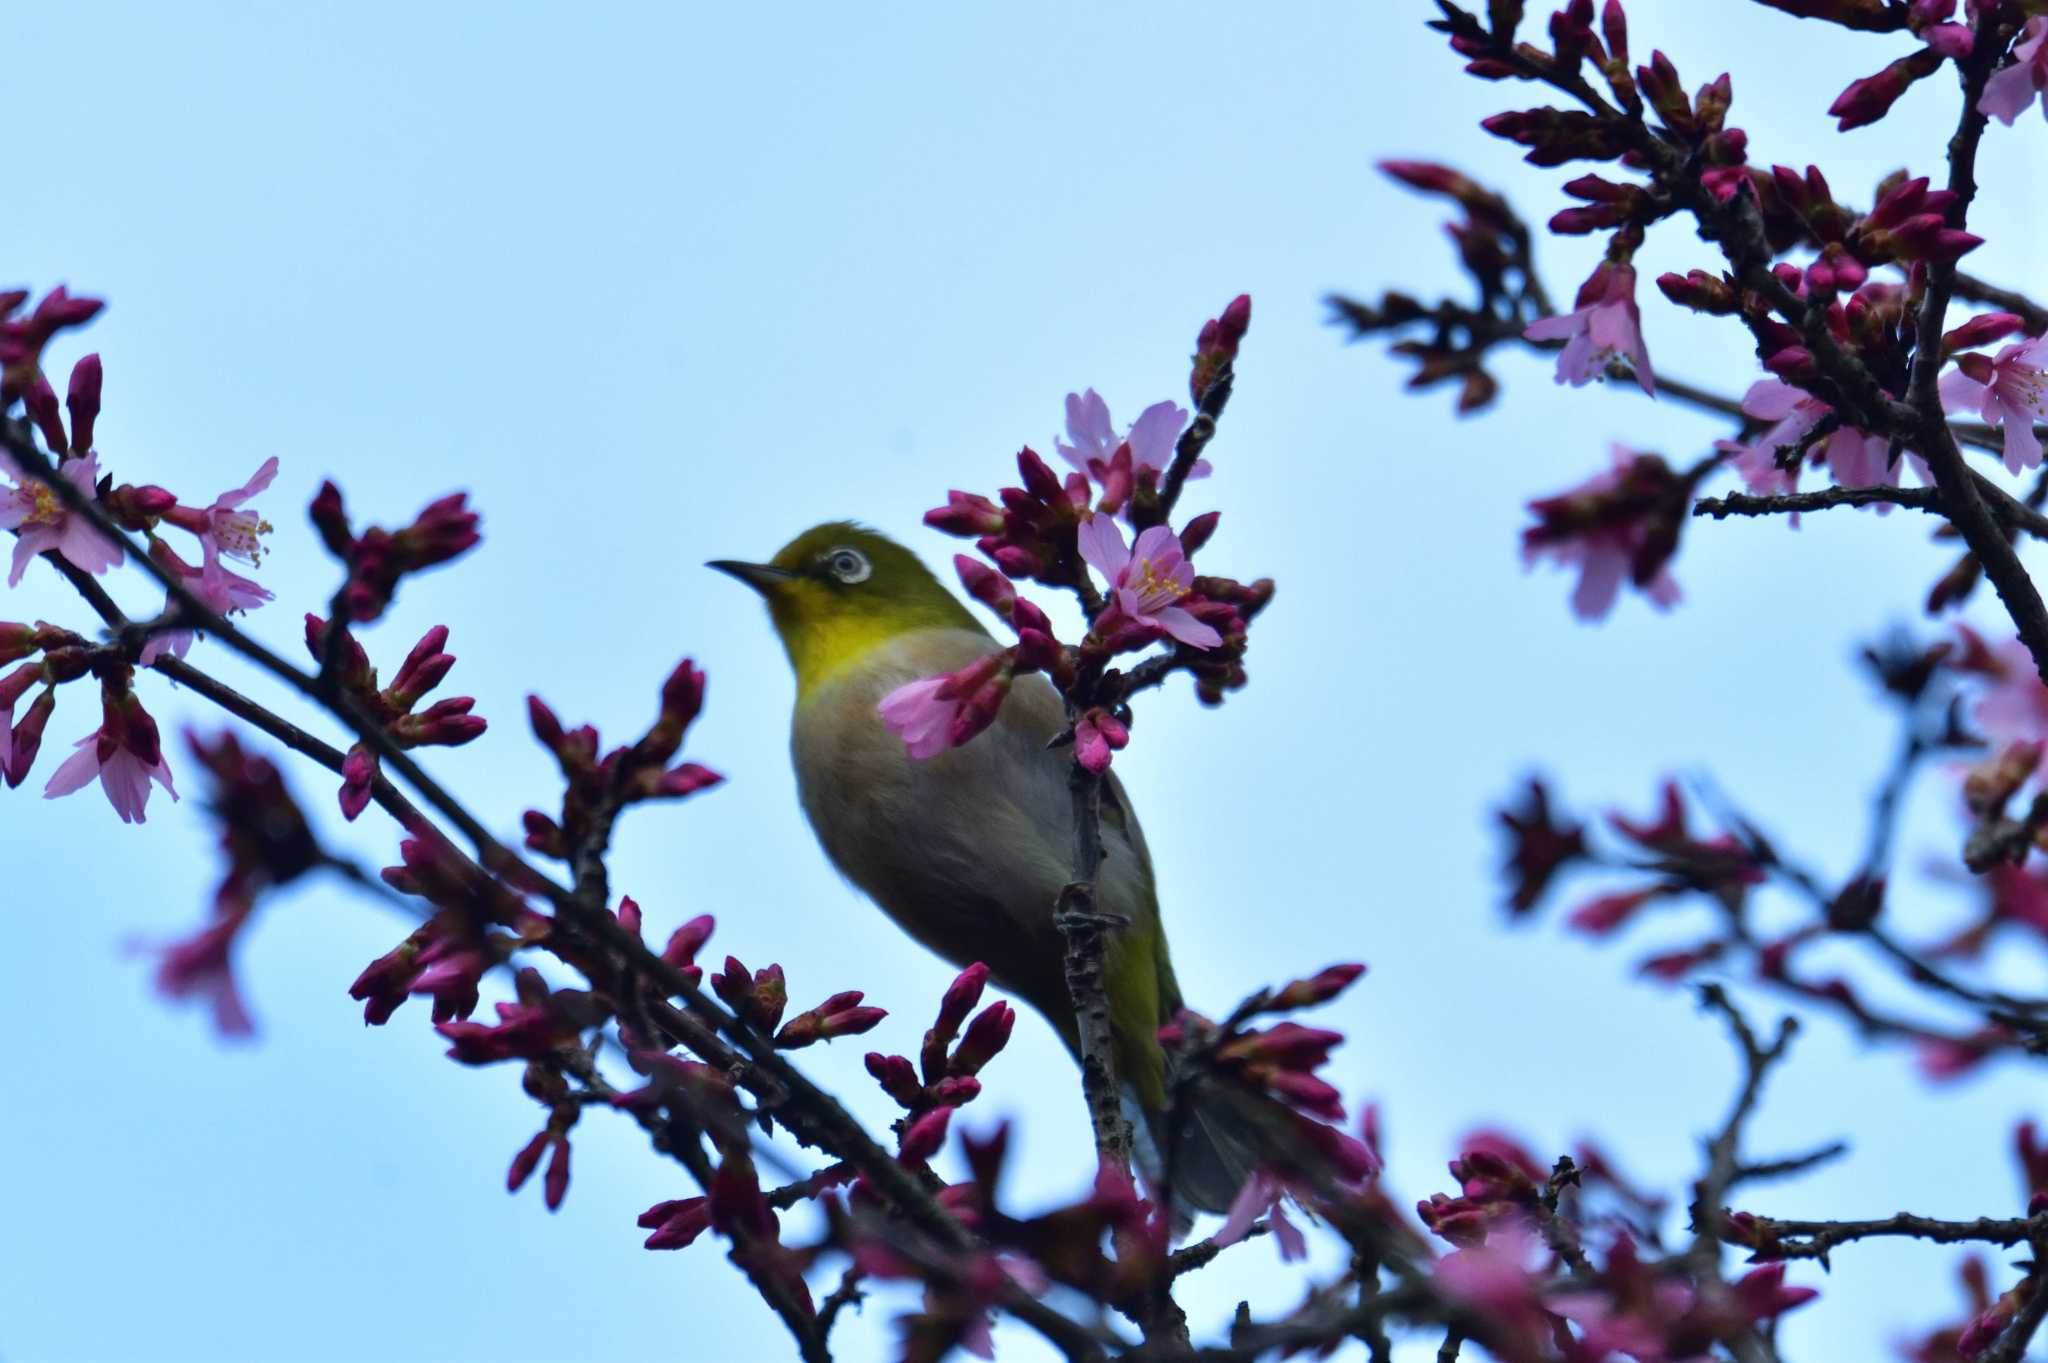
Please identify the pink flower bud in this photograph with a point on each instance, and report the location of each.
(83, 401)
(331, 520)
(1871, 98)
(1982, 329)
(966, 514)
(986, 1036)
(676, 1224)
(686, 941)
(424, 668)
(41, 401)
(1321, 987)
(524, 1162)
(358, 778)
(555, 1184)
(897, 1078)
(925, 1136)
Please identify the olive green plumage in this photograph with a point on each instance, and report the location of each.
(967, 850)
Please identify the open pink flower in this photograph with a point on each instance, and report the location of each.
(33, 511)
(1263, 1194)
(1151, 436)
(1148, 580)
(933, 714)
(225, 528)
(2010, 90)
(124, 753)
(1604, 323)
(1602, 527)
(2011, 391)
(1854, 458)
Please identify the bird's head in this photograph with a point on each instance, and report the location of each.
(839, 591)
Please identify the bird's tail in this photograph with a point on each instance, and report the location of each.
(1204, 1143)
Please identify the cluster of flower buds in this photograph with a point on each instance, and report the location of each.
(553, 1141)
(540, 1022)
(377, 559)
(1723, 865)
(1500, 1185)
(446, 957)
(1110, 1245)
(738, 1208)
(1216, 347)
(1054, 532)
(598, 787)
(1493, 247)
(843, 1014)
(23, 339)
(445, 723)
(944, 1077)
(1280, 1060)
(65, 658)
(1621, 525)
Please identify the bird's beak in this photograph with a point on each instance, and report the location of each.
(762, 577)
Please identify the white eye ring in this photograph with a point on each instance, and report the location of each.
(849, 565)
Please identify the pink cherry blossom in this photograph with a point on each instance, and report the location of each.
(933, 714)
(225, 528)
(1095, 441)
(1263, 1195)
(1148, 580)
(2009, 91)
(1604, 324)
(33, 511)
(124, 753)
(2011, 391)
(1603, 549)
(219, 588)
(1853, 457)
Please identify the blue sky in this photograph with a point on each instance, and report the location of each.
(658, 286)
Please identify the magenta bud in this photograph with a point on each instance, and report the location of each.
(1039, 479)
(555, 1184)
(986, 1036)
(925, 1136)
(331, 520)
(524, 1162)
(966, 514)
(1324, 985)
(358, 778)
(897, 1078)
(960, 998)
(41, 401)
(686, 941)
(28, 736)
(83, 401)
(1199, 531)
(1981, 330)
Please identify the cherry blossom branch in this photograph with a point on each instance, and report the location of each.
(1793, 503)
(1770, 1237)
(1724, 1151)
(1083, 927)
(806, 1111)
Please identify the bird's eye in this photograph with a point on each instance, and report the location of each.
(848, 565)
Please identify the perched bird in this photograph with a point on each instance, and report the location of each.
(968, 850)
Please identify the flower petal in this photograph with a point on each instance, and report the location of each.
(1102, 546)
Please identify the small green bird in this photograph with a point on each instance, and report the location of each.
(969, 849)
